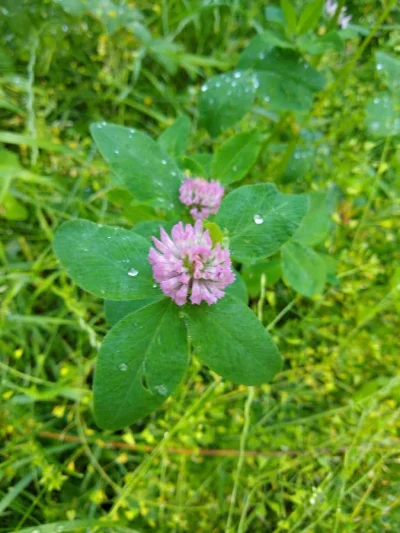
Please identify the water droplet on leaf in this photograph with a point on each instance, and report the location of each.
(161, 389)
(133, 272)
(123, 367)
(258, 219)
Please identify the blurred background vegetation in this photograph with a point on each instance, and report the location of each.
(320, 445)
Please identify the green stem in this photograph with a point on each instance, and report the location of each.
(243, 437)
(31, 98)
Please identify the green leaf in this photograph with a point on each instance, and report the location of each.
(260, 45)
(260, 219)
(115, 310)
(310, 16)
(192, 167)
(146, 170)
(289, 13)
(204, 159)
(274, 14)
(107, 261)
(285, 81)
(225, 99)
(174, 140)
(133, 211)
(8, 137)
(382, 116)
(390, 67)
(318, 44)
(216, 234)
(256, 49)
(290, 65)
(317, 223)
(251, 275)
(235, 157)
(303, 269)
(12, 209)
(230, 340)
(331, 267)
(238, 289)
(72, 526)
(141, 362)
(283, 93)
(300, 163)
(151, 228)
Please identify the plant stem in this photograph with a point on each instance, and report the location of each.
(243, 437)
(31, 98)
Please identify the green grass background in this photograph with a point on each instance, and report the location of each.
(317, 450)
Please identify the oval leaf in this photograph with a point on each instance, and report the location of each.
(174, 139)
(107, 261)
(303, 269)
(235, 157)
(116, 310)
(145, 169)
(151, 228)
(140, 363)
(317, 223)
(225, 99)
(383, 116)
(238, 289)
(230, 340)
(390, 66)
(260, 219)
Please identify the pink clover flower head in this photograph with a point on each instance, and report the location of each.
(188, 267)
(204, 197)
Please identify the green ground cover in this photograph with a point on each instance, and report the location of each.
(316, 450)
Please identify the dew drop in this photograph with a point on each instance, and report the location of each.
(256, 82)
(64, 28)
(164, 161)
(204, 88)
(116, 151)
(154, 285)
(379, 66)
(133, 272)
(258, 219)
(161, 389)
(123, 367)
(237, 74)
